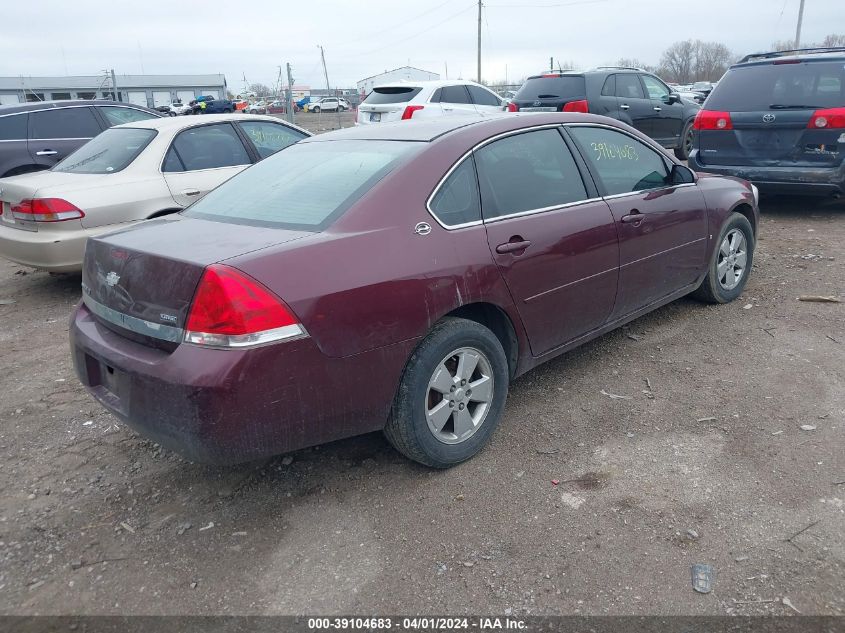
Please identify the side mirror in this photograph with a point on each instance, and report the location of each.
(673, 97)
(681, 175)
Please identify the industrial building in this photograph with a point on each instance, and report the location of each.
(406, 73)
(145, 90)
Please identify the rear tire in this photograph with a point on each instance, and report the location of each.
(436, 418)
(730, 264)
(682, 152)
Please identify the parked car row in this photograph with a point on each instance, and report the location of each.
(504, 240)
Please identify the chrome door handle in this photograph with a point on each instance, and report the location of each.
(624, 106)
(46, 152)
(190, 192)
(657, 108)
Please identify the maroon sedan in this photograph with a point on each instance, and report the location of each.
(396, 277)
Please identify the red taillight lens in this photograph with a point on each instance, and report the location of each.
(712, 120)
(230, 309)
(828, 119)
(577, 106)
(512, 107)
(409, 111)
(46, 210)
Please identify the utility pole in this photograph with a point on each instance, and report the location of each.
(289, 108)
(479, 41)
(328, 89)
(798, 29)
(114, 87)
(551, 63)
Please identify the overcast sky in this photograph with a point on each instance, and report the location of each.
(365, 37)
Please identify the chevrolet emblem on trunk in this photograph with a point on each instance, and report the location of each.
(112, 278)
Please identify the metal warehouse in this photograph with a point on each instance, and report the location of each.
(145, 90)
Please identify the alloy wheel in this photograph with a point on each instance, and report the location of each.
(733, 259)
(459, 395)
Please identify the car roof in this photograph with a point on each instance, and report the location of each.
(31, 106)
(429, 83)
(802, 55)
(427, 130)
(171, 123)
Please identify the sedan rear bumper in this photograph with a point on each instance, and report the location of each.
(53, 251)
(232, 406)
(814, 181)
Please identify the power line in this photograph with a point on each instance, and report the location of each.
(543, 6)
(396, 26)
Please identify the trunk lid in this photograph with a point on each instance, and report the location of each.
(770, 138)
(140, 281)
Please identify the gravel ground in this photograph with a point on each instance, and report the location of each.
(703, 460)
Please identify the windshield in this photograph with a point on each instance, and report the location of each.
(107, 153)
(780, 86)
(305, 186)
(566, 87)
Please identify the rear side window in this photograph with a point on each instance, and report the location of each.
(622, 163)
(13, 128)
(269, 138)
(305, 187)
(483, 97)
(63, 123)
(628, 87)
(454, 94)
(525, 172)
(774, 86)
(115, 115)
(457, 200)
(566, 87)
(207, 147)
(392, 94)
(609, 88)
(109, 152)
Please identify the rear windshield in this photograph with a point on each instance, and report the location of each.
(552, 88)
(392, 94)
(305, 186)
(777, 86)
(108, 152)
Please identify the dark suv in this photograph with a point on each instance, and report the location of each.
(35, 136)
(630, 95)
(778, 120)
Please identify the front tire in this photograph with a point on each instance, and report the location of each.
(451, 395)
(315, 110)
(682, 152)
(730, 264)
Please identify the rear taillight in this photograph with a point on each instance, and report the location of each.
(829, 119)
(45, 210)
(577, 106)
(409, 111)
(512, 107)
(232, 310)
(712, 120)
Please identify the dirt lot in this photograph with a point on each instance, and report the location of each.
(703, 461)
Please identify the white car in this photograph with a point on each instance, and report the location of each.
(427, 99)
(327, 104)
(130, 172)
(259, 107)
(177, 107)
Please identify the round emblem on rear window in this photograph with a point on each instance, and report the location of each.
(768, 118)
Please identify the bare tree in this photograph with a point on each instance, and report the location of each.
(834, 39)
(626, 62)
(694, 60)
(260, 90)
